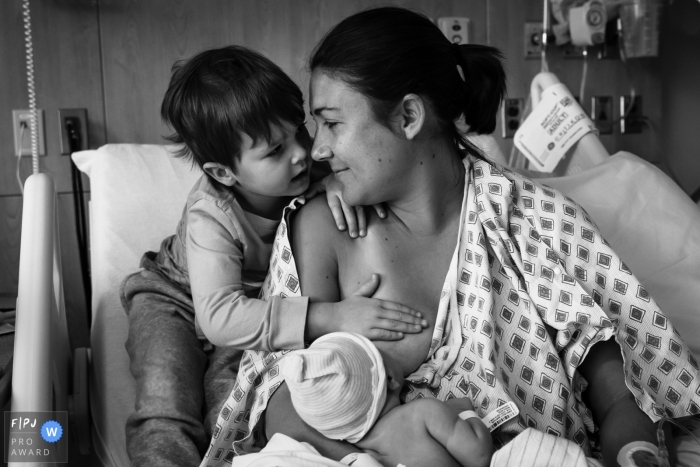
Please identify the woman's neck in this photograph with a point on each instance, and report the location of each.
(432, 201)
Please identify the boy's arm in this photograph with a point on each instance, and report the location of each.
(468, 441)
(227, 317)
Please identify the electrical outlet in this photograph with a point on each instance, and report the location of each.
(72, 126)
(632, 120)
(511, 113)
(455, 28)
(24, 117)
(602, 114)
(532, 39)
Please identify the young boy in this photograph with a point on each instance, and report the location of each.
(341, 387)
(240, 118)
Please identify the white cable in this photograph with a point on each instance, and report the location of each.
(30, 84)
(517, 160)
(545, 26)
(583, 77)
(18, 153)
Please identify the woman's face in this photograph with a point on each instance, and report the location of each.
(364, 155)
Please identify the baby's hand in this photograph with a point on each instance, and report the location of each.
(342, 212)
(378, 320)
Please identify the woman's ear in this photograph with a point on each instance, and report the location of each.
(412, 115)
(220, 173)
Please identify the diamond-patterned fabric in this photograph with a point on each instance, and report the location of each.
(527, 255)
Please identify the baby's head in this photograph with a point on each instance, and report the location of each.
(240, 118)
(340, 386)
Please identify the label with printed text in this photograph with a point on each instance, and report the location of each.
(556, 124)
(501, 415)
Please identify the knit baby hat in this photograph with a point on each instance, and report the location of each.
(337, 385)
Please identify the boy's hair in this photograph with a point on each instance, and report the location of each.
(218, 94)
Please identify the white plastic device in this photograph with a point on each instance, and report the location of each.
(455, 28)
(587, 23)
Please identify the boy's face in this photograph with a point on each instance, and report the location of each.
(279, 167)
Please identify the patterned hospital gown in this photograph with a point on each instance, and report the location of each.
(527, 255)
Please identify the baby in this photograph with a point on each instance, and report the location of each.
(341, 387)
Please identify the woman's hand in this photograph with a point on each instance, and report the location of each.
(343, 213)
(377, 320)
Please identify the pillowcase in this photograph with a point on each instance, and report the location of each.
(137, 194)
(653, 225)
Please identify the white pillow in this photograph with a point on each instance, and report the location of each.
(136, 199)
(654, 227)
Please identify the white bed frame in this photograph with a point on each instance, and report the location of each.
(42, 362)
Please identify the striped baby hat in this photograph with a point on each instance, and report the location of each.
(337, 385)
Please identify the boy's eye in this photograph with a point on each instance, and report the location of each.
(330, 124)
(274, 151)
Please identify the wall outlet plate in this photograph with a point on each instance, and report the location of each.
(24, 148)
(455, 28)
(511, 113)
(532, 40)
(632, 121)
(602, 114)
(72, 123)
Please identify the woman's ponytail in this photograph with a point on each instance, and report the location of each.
(484, 85)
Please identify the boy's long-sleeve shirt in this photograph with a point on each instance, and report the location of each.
(220, 254)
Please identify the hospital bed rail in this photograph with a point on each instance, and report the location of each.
(42, 363)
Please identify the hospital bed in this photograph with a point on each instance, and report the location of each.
(137, 196)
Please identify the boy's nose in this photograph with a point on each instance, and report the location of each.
(300, 153)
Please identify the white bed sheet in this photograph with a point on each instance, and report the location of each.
(138, 192)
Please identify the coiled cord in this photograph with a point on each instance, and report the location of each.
(29, 49)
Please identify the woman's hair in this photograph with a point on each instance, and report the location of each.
(220, 93)
(386, 53)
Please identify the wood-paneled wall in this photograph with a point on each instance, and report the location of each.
(113, 57)
(141, 41)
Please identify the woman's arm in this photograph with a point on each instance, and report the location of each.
(314, 238)
(312, 230)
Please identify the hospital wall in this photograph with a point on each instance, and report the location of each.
(113, 57)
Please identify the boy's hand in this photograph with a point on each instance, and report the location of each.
(377, 320)
(342, 212)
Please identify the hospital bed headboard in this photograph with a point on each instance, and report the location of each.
(138, 193)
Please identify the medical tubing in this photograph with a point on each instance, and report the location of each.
(544, 66)
(584, 75)
(661, 440)
(521, 162)
(30, 84)
(18, 153)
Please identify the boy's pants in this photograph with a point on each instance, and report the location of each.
(180, 387)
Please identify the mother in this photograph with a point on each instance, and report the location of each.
(514, 279)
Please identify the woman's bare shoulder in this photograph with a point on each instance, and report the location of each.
(313, 222)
